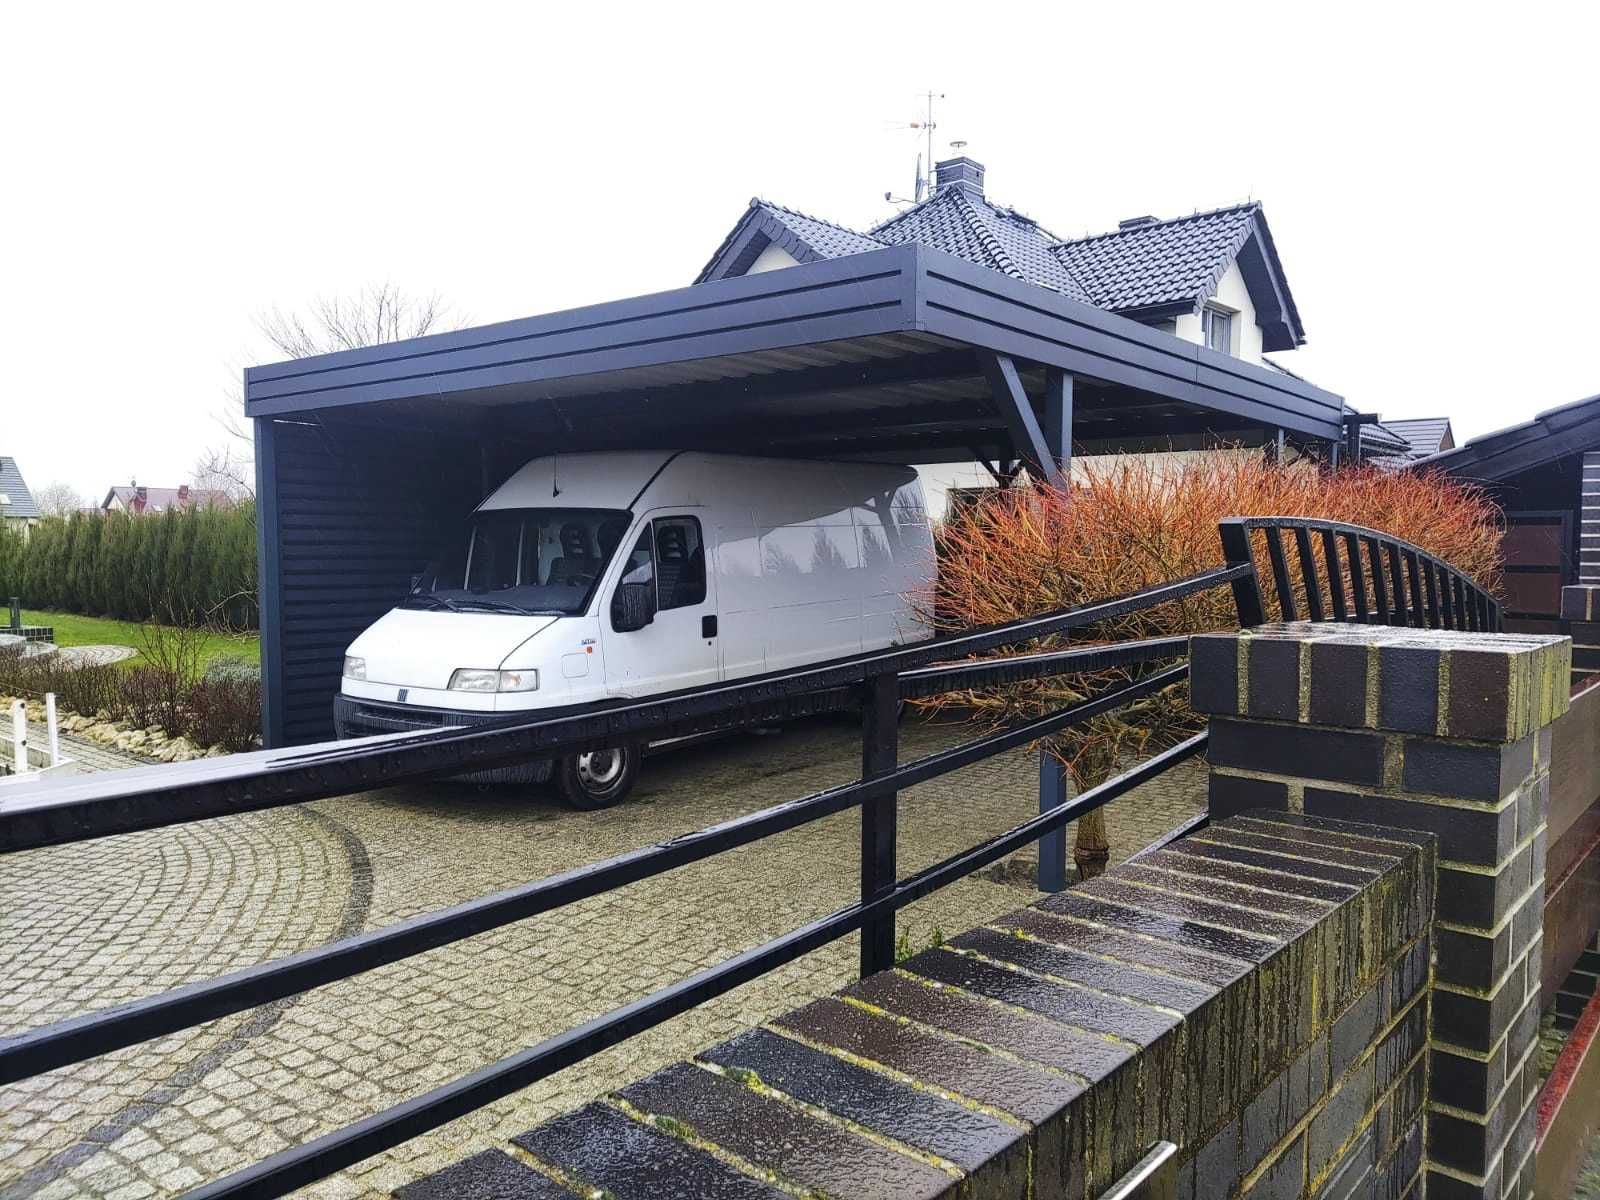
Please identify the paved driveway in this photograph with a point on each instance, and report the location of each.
(107, 921)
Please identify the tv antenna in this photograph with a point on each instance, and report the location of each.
(924, 184)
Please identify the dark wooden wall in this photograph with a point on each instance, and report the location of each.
(348, 513)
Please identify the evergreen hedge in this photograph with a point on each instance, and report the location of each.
(184, 566)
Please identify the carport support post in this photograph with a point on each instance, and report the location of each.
(1052, 869)
(880, 754)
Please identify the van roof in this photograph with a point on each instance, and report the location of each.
(618, 478)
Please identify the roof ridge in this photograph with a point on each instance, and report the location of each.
(795, 212)
(1194, 216)
(992, 246)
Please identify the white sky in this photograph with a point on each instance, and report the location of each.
(172, 171)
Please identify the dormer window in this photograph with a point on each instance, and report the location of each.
(1216, 325)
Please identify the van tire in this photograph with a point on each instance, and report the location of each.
(595, 779)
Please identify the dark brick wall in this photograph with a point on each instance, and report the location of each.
(1447, 733)
(1256, 994)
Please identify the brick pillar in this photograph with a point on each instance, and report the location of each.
(1438, 731)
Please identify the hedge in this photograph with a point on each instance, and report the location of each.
(184, 566)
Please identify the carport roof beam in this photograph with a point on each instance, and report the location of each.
(862, 321)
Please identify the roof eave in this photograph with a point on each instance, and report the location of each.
(1276, 312)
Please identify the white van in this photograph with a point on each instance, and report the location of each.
(592, 576)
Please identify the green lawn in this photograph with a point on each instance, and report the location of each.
(75, 630)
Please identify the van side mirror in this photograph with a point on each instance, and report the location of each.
(633, 606)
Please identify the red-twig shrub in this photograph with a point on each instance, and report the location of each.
(1132, 523)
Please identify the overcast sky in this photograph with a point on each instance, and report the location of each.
(172, 172)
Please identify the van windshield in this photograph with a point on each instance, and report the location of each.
(522, 560)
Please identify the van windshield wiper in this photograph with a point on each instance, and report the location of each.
(505, 606)
(425, 600)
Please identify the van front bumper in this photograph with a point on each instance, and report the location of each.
(353, 718)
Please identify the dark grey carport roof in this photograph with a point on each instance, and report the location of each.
(871, 353)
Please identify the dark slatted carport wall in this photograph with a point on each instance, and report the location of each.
(348, 515)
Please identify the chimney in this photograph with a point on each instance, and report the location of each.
(1135, 222)
(960, 172)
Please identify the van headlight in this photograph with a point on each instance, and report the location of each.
(472, 679)
(354, 668)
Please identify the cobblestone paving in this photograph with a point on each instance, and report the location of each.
(95, 656)
(110, 920)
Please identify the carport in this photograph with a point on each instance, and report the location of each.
(905, 355)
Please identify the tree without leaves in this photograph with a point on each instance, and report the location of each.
(379, 314)
(58, 499)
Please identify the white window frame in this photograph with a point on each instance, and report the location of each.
(1208, 316)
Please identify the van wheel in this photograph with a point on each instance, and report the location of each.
(598, 778)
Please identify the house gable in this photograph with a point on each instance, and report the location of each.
(18, 503)
(773, 258)
(764, 226)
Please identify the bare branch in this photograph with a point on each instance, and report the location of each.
(58, 499)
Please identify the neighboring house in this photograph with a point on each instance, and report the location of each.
(1214, 278)
(1545, 475)
(1395, 444)
(1425, 435)
(138, 499)
(17, 507)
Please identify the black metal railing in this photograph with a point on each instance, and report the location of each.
(1396, 584)
(52, 813)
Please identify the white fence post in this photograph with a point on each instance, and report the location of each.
(19, 736)
(50, 726)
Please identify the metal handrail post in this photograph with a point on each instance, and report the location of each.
(880, 754)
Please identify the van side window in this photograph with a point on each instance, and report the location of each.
(640, 567)
(680, 563)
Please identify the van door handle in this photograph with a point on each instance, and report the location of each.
(708, 626)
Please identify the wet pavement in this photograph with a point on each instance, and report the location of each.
(111, 920)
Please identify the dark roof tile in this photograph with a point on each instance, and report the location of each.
(1149, 266)
(1160, 263)
(1425, 435)
(19, 500)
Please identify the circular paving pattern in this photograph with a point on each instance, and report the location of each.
(106, 921)
(95, 656)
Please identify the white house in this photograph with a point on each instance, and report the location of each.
(17, 507)
(1212, 277)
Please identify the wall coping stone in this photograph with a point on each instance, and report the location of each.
(1042, 1055)
(1496, 687)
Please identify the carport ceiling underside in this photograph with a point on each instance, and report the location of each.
(878, 355)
